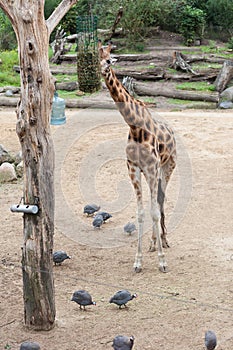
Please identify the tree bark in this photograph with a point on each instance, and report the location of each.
(225, 75)
(33, 129)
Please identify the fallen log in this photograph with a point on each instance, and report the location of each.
(150, 74)
(9, 101)
(146, 90)
(201, 76)
(70, 103)
(56, 70)
(225, 75)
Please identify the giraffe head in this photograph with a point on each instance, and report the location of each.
(106, 60)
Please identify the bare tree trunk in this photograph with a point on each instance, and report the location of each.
(33, 129)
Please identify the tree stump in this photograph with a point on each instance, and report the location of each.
(225, 75)
(179, 62)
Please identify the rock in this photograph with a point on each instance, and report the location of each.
(7, 172)
(5, 155)
(19, 169)
(225, 105)
(227, 94)
(18, 158)
(9, 93)
(226, 99)
(69, 86)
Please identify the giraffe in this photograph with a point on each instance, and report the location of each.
(151, 150)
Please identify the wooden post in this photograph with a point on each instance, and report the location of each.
(33, 129)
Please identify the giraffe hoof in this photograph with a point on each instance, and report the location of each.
(163, 269)
(137, 269)
(152, 248)
(166, 245)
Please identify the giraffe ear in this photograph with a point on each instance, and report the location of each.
(100, 48)
(99, 44)
(109, 47)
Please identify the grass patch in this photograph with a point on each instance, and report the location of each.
(192, 104)
(67, 94)
(148, 99)
(196, 86)
(206, 65)
(7, 75)
(61, 78)
(176, 101)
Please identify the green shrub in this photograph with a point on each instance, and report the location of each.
(7, 75)
(191, 24)
(230, 43)
(7, 35)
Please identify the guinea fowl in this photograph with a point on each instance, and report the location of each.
(105, 215)
(59, 256)
(83, 298)
(90, 209)
(210, 340)
(130, 228)
(122, 297)
(98, 221)
(122, 342)
(28, 345)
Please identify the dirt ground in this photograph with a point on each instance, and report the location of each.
(173, 310)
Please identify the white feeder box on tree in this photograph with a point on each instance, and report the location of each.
(58, 110)
(24, 208)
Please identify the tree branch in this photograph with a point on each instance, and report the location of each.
(58, 14)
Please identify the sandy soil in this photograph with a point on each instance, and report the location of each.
(172, 310)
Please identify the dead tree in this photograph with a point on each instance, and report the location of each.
(225, 75)
(117, 20)
(33, 129)
(59, 45)
(179, 62)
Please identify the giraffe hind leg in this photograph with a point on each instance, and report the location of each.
(161, 198)
(165, 174)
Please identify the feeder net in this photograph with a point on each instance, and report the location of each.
(88, 68)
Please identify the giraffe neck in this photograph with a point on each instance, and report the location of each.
(133, 111)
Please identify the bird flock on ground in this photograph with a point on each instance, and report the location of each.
(123, 342)
(120, 298)
(100, 217)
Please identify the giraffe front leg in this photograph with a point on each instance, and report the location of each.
(135, 176)
(155, 214)
(138, 258)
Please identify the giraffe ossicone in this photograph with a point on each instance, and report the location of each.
(151, 150)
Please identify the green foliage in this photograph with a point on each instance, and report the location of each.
(7, 346)
(7, 35)
(230, 43)
(220, 13)
(7, 75)
(49, 7)
(191, 23)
